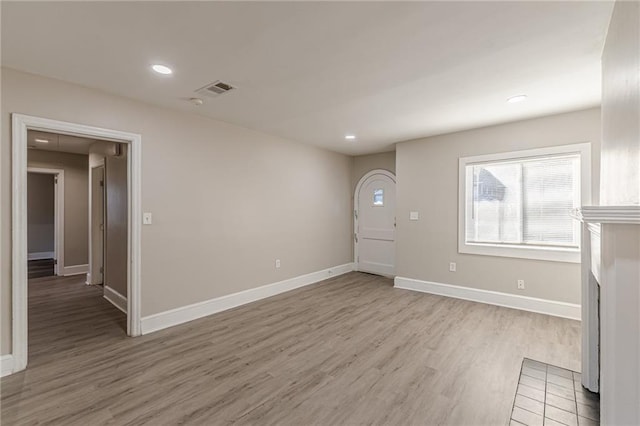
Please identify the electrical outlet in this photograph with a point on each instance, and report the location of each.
(277, 263)
(452, 267)
(520, 284)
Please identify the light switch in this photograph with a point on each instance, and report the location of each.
(146, 219)
(414, 215)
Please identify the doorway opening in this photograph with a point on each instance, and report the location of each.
(68, 230)
(45, 213)
(82, 260)
(375, 223)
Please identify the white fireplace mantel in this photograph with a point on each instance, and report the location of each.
(629, 215)
(611, 309)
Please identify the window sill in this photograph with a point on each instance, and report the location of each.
(533, 253)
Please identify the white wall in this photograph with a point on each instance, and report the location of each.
(226, 201)
(427, 182)
(362, 164)
(98, 151)
(621, 108)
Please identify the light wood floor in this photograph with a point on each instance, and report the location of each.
(350, 350)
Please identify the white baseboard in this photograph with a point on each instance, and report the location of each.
(41, 255)
(531, 304)
(188, 313)
(75, 270)
(6, 365)
(116, 299)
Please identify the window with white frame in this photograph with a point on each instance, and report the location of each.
(518, 204)
(378, 197)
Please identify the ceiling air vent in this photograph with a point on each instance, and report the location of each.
(216, 88)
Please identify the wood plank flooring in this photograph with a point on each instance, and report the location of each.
(351, 350)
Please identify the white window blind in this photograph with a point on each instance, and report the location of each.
(523, 201)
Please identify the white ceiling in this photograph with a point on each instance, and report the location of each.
(58, 143)
(315, 71)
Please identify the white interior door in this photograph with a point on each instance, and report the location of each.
(375, 223)
(116, 256)
(97, 225)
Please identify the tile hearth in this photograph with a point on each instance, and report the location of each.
(550, 395)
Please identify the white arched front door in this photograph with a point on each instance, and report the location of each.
(375, 223)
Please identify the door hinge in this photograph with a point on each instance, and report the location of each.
(101, 183)
(355, 236)
(101, 269)
(55, 180)
(55, 261)
(355, 214)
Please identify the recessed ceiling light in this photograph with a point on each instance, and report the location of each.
(42, 141)
(162, 69)
(517, 98)
(350, 137)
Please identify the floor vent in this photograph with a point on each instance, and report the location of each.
(216, 88)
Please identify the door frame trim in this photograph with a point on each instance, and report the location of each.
(356, 200)
(20, 124)
(58, 215)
